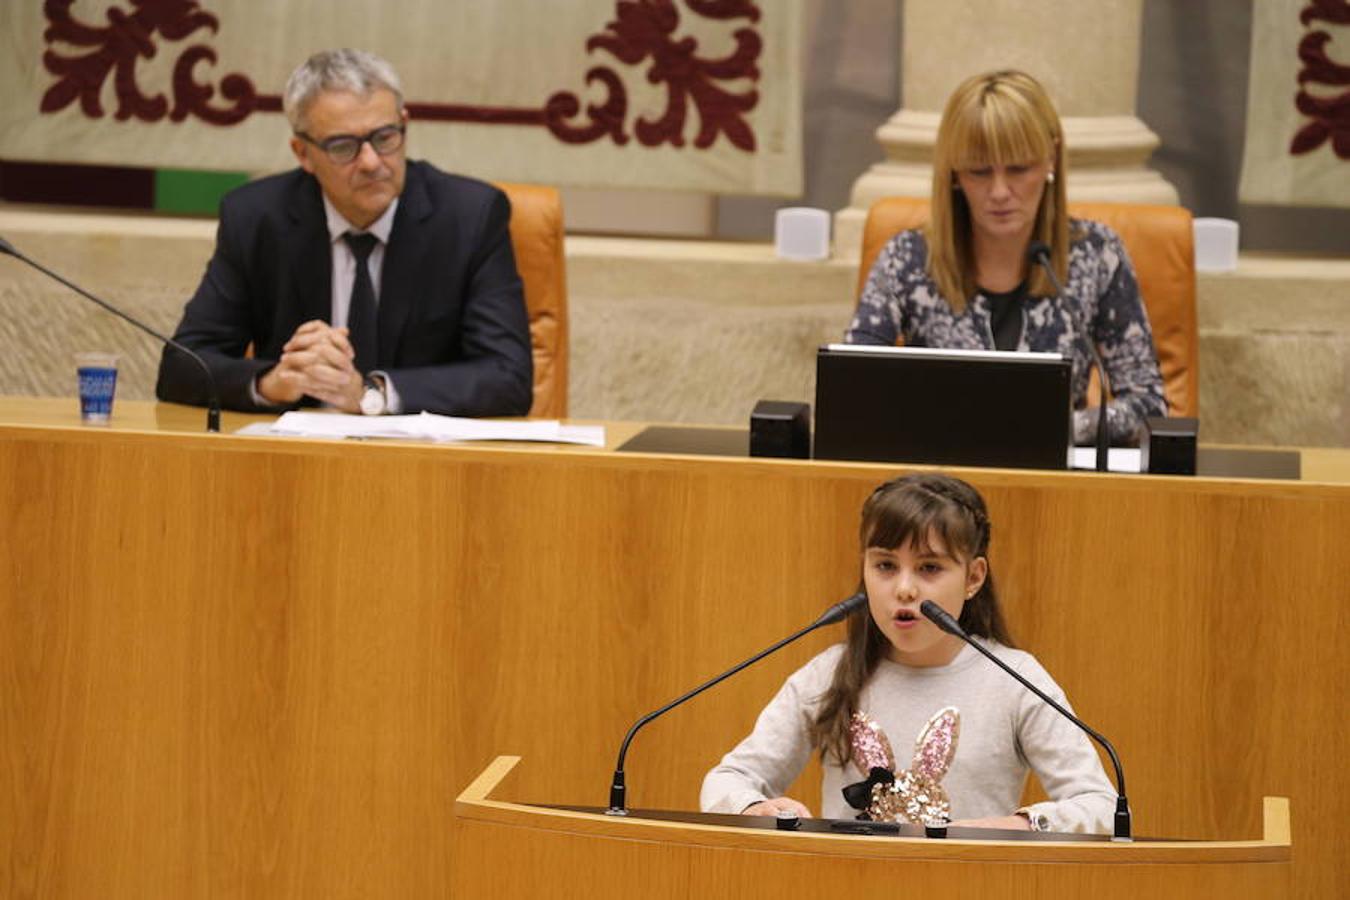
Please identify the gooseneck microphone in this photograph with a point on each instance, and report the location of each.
(943, 619)
(1038, 253)
(212, 410)
(617, 789)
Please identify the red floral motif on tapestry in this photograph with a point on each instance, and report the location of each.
(643, 31)
(118, 47)
(646, 29)
(1330, 115)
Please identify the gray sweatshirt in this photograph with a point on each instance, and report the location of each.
(1005, 730)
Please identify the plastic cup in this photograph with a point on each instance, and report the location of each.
(97, 375)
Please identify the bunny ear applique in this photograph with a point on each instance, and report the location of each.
(936, 746)
(870, 751)
(911, 795)
(870, 747)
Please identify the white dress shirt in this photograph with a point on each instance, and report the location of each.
(344, 273)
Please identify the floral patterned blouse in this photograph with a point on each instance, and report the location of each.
(901, 301)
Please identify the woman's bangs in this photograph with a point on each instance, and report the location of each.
(999, 132)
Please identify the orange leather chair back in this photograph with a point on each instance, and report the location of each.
(537, 239)
(1161, 246)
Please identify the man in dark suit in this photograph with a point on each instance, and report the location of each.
(360, 280)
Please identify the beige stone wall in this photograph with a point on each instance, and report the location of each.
(148, 266)
(696, 331)
(683, 331)
(1275, 352)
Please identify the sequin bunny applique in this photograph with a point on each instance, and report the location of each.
(911, 795)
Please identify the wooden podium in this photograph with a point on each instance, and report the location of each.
(506, 850)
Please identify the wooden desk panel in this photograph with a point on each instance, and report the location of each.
(266, 667)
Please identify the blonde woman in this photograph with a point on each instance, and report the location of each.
(964, 281)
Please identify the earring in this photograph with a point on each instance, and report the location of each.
(1050, 179)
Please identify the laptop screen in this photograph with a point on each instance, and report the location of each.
(943, 407)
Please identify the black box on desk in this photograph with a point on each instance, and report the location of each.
(1169, 446)
(781, 429)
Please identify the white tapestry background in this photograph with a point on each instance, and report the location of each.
(673, 94)
(1298, 105)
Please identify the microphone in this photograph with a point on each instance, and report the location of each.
(1038, 253)
(618, 790)
(212, 410)
(943, 619)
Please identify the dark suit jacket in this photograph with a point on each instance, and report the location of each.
(453, 331)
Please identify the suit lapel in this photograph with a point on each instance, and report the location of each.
(408, 242)
(311, 256)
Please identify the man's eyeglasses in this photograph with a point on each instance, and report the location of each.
(343, 148)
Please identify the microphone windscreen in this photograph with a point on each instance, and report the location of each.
(841, 610)
(1038, 251)
(941, 618)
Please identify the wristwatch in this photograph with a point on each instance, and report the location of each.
(1038, 821)
(373, 399)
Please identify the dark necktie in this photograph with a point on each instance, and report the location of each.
(362, 321)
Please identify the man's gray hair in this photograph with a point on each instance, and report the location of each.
(357, 71)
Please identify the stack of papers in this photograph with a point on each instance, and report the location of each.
(426, 427)
(1118, 459)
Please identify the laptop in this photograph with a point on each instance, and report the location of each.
(943, 407)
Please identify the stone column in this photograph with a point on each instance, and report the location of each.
(1086, 55)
